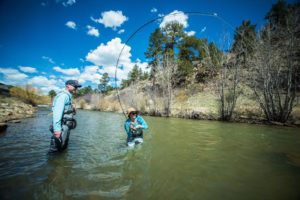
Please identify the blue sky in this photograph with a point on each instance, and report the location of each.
(46, 42)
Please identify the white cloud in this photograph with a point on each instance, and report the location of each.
(12, 76)
(92, 31)
(121, 31)
(68, 3)
(190, 33)
(143, 66)
(69, 71)
(111, 19)
(28, 69)
(106, 55)
(203, 29)
(90, 73)
(41, 81)
(45, 84)
(15, 77)
(160, 15)
(153, 10)
(175, 16)
(71, 24)
(50, 60)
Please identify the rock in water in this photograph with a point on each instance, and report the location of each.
(3, 127)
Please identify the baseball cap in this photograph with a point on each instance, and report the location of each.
(74, 83)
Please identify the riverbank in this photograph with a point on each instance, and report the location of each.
(13, 109)
(198, 102)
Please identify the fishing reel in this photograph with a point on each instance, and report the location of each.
(71, 123)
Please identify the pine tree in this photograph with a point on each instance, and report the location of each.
(189, 51)
(154, 52)
(52, 94)
(278, 14)
(244, 41)
(173, 32)
(134, 75)
(103, 86)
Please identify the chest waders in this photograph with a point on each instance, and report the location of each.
(67, 122)
(135, 136)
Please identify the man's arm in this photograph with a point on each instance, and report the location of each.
(142, 122)
(127, 127)
(58, 111)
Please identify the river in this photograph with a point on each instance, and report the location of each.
(180, 159)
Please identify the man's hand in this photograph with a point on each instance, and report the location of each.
(57, 134)
(74, 108)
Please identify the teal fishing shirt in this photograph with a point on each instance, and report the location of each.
(139, 121)
(61, 102)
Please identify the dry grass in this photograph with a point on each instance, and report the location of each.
(29, 95)
(296, 112)
(203, 100)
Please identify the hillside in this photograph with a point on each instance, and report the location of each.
(198, 101)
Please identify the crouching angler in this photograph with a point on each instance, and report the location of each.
(63, 117)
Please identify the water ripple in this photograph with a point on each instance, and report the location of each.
(179, 159)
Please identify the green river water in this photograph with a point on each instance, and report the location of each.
(179, 159)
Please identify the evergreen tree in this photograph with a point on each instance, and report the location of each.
(173, 32)
(84, 91)
(154, 52)
(134, 75)
(145, 76)
(278, 14)
(125, 83)
(52, 94)
(215, 54)
(189, 50)
(103, 86)
(244, 41)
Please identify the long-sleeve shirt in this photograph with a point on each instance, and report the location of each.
(62, 101)
(139, 121)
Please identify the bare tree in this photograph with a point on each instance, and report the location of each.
(229, 79)
(276, 68)
(166, 81)
(228, 86)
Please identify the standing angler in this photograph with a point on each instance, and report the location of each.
(63, 117)
(134, 126)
